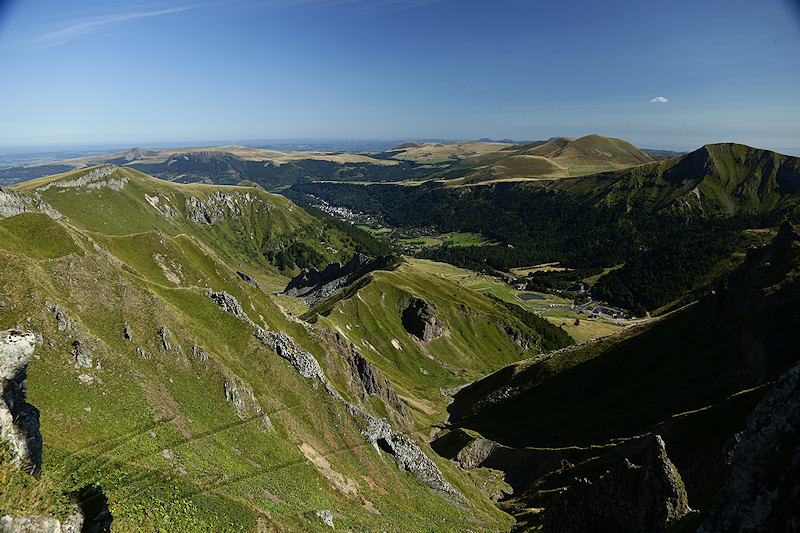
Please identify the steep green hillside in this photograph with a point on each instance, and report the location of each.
(481, 335)
(161, 377)
(715, 180)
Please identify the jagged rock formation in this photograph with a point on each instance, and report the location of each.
(244, 401)
(19, 421)
(763, 488)
(312, 285)
(283, 345)
(367, 379)
(82, 358)
(10, 204)
(247, 279)
(645, 498)
(222, 205)
(517, 337)
(326, 517)
(228, 303)
(162, 207)
(420, 320)
(199, 353)
(378, 431)
(406, 453)
(63, 322)
(91, 179)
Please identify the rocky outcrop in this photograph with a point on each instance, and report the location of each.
(19, 421)
(646, 498)
(247, 279)
(228, 303)
(283, 345)
(326, 517)
(199, 354)
(420, 320)
(91, 179)
(366, 378)
(82, 357)
(11, 204)
(162, 207)
(763, 488)
(244, 401)
(63, 322)
(517, 337)
(219, 205)
(313, 286)
(405, 452)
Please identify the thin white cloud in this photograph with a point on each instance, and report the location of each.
(91, 25)
(659, 100)
(96, 24)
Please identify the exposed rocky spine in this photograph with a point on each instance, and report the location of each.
(228, 303)
(420, 320)
(19, 421)
(367, 378)
(247, 279)
(90, 180)
(219, 205)
(63, 322)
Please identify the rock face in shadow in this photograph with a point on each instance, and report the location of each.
(763, 488)
(644, 498)
(312, 285)
(420, 320)
(19, 421)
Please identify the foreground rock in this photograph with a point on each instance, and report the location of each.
(420, 320)
(763, 489)
(19, 421)
(645, 498)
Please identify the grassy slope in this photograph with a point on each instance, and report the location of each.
(559, 158)
(157, 434)
(475, 345)
(715, 179)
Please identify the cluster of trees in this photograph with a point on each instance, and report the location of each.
(665, 254)
(296, 254)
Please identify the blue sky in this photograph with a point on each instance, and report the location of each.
(163, 71)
